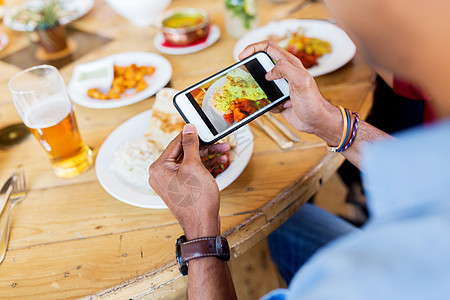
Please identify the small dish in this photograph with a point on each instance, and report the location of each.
(99, 74)
(160, 43)
(184, 26)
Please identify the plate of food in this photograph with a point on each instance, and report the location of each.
(124, 157)
(20, 17)
(137, 76)
(321, 46)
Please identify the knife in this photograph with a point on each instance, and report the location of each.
(6, 192)
(283, 128)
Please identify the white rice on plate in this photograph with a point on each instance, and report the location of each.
(132, 160)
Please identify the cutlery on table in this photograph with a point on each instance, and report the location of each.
(280, 140)
(18, 194)
(283, 128)
(5, 192)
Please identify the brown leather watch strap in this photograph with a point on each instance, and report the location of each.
(202, 247)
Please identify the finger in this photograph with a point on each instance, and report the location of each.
(275, 52)
(279, 108)
(215, 162)
(189, 140)
(173, 150)
(287, 104)
(294, 75)
(218, 148)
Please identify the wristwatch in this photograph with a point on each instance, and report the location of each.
(202, 247)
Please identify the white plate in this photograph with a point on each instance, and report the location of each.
(4, 40)
(155, 82)
(213, 36)
(342, 48)
(135, 128)
(71, 10)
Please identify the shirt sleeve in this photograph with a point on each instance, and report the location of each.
(278, 294)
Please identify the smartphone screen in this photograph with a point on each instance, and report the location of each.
(230, 98)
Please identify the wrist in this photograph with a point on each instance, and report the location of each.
(204, 228)
(331, 125)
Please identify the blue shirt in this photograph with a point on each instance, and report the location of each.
(404, 250)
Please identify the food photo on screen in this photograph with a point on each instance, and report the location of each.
(231, 98)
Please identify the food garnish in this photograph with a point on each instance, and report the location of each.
(129, 77)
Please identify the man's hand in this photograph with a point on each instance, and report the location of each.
(186, 186)
(212, 156)
(306, 110)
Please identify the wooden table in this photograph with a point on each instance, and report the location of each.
(70, 238)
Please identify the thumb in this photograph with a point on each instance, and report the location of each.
(190, 143)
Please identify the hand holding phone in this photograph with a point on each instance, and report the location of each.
(231, 98)
(306, 110)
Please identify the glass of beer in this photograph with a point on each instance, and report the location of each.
(40, 96)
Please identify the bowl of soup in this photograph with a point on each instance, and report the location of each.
(184, 26)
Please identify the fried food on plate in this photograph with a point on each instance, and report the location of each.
(129, 77)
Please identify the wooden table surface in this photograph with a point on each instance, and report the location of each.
(70, 238)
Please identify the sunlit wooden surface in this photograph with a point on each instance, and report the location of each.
(71, 239)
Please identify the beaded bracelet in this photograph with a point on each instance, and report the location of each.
(345, 131)
(352, 138)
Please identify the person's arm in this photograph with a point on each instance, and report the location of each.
(191, 193)
(210, 278)
(307, 110)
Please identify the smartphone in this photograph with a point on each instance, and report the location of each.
(231, 98)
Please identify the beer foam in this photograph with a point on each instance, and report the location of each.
(47, 113)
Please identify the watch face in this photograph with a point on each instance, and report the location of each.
(182, 266)
(222, 248)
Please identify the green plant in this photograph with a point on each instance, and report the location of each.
(41, 18)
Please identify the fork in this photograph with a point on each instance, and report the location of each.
(18, 194)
